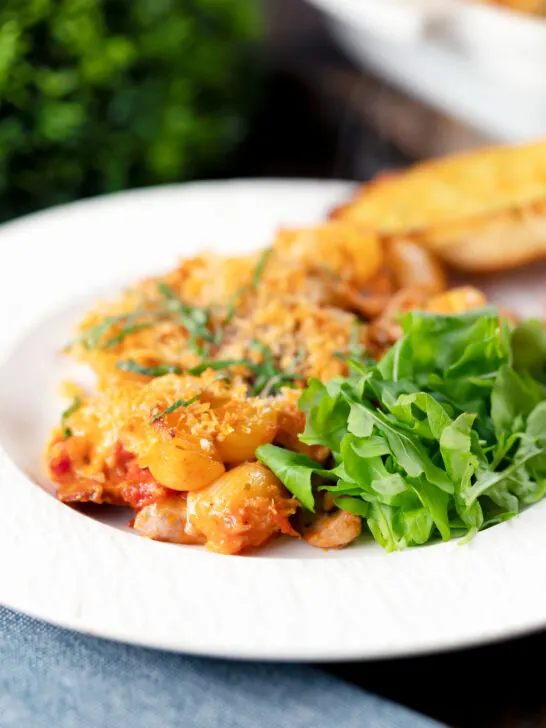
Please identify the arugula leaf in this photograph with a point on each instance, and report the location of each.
(456, 447)
(422, 413)
(513, 398)
(353, 505)
(294, 470)
(381, 521)
(536, 433)
(370, 473)
(466, 348)
(445, 435)
(416, 525)
(435, 502)
(529, 349)
(326, 422)
(406, 448)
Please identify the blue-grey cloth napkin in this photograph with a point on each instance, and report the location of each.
(55, 678)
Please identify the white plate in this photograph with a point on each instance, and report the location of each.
(478, 63)
(89, 572)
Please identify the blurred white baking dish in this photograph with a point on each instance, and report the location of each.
(479, 63)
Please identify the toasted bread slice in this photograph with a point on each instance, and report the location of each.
(480, 211)
(534, 7)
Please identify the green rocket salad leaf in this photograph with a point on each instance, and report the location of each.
(445, 436)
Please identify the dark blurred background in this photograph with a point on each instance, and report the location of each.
(102, 95)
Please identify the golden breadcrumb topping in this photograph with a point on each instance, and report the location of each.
(198, 367)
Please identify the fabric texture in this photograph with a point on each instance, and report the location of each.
(55, 678)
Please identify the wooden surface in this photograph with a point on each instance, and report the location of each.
(323, 118)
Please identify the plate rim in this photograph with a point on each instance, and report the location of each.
(91, 619)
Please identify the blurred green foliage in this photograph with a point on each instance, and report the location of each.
(100, 95)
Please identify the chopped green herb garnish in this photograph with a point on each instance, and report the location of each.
(445, 436)
(355, 349)
(76, 404)
(91, 337)
(221, 364)
(268, 379)
(184, 402)
(158, 370)
(176, 405)
(258, 272)
(167, 292)
(129, 329)
(193, 319)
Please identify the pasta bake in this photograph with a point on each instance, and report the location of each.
(233, 393)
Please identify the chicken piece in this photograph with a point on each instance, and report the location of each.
(369, 301)
(333, 530)
(242, 509)
(479, 211)
(166, 520)
(350, 252)
(457, 300)
(415, 267)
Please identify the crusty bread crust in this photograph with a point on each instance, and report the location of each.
(499, 241)
(480, 211)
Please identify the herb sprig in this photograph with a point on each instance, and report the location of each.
(176, 405)
(355, 350)
(268, 378)
(130, 328)
(184, 402)
(76, 404)
(92, 337)
(256, 278)
(194, 320)
(159, 370)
